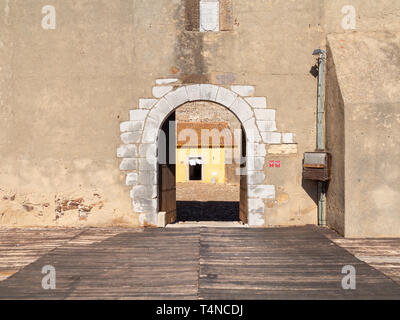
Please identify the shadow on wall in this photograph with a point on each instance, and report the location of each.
(207, 211)
(311, 188)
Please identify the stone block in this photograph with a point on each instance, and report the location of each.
(128, 164)
(193, 92)
(131, 179)
(161, 82)
(226, 97)
(256, 150)
(266, 126)
(244, 91)
(287, 138)
(256, 206)
(131, 126)
(161, 110)
(255, 163)
(144, 192)
(265, 114)
(147, 103)
(271, 137)
(257, 102)
(255, 177)
(162, 220)
(160, 91)
(147, 206)
(138, 115)
(147, 178)
(242, 110)
(256, 220)
(208, 92)
(251, 130)
(261, 191)
(148, 164)
(131, 137)
(150, 131)
(147, 150)
(127, 151)
(177, 97)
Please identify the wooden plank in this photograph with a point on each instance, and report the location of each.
(195, 263)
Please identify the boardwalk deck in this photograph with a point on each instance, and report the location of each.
(197, 263)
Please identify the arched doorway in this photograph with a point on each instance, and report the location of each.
(141, 135)
(200, 160)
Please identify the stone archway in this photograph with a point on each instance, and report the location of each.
(139, 137)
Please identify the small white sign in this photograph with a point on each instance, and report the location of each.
(209, 16)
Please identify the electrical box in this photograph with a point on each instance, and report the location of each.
(317, 166)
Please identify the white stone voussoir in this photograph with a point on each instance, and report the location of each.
(208, 92)
(161, 110)
(131, 137)
(265, 114)
(242, 110)
(193, 92)
(177, 97)
(131, 126)
(147, 103)
(138, 114)
(147, 150)
(256, 149)
(251, 130)
(255, 163)
(257, 102)
(127, 151)
(148, 164)
(150, 131)
(226, 97)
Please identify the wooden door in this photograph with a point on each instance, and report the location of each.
(166, 170)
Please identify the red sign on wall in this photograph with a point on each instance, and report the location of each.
(274, 164)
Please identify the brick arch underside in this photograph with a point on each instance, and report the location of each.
(139, 151)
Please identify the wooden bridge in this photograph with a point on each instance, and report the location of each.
(185, 263)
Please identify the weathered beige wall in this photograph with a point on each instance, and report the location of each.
(368, 74)
(335, 144)
(64, 92)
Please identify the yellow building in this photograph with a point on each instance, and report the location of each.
(202, 162)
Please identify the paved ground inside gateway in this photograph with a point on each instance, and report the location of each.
(192, 263)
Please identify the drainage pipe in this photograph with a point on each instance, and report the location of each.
(321, 133)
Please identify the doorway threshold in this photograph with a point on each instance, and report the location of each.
(208, 224)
